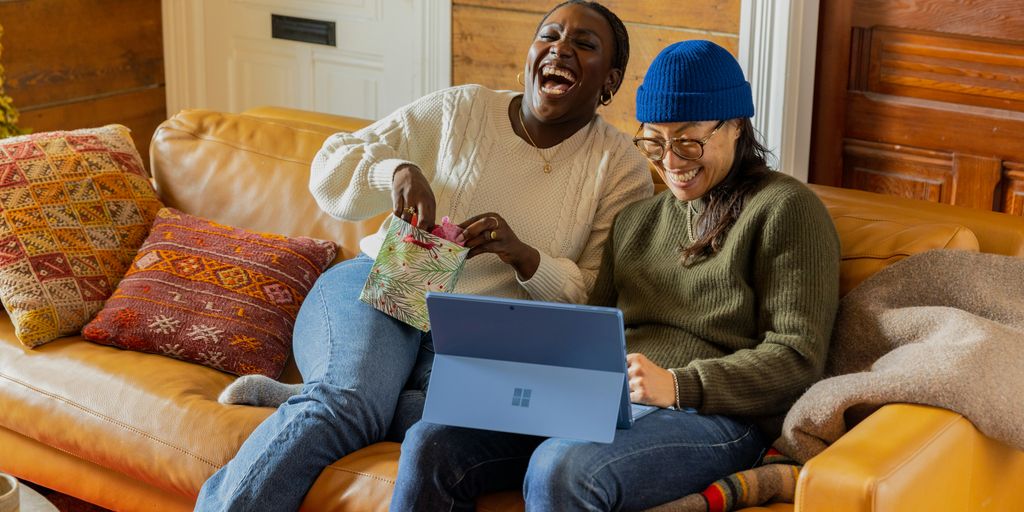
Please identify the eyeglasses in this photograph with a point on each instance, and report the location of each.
(687, 149)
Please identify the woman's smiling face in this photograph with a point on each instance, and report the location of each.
(691, 179)
(569, 64)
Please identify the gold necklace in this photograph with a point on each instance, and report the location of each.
(522, 122)
(690, 214)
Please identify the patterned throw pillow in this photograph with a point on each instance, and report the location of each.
(211, 294)
(76, 206)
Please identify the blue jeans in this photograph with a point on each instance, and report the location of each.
(355, 362)
(666, 455)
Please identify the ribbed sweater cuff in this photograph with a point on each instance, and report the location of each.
(546, 283)
(691, 393)
(383, 172)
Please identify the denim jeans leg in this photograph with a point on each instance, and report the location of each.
(354, 361)
(666, 455)
(413, 398)
(446, 468)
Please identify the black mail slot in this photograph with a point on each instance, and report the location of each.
(303, 29)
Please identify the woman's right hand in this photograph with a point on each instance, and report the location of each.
(411, 194)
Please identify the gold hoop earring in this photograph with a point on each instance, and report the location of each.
(519, 78)
(606, 100)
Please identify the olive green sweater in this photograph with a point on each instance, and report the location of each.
(745, 330)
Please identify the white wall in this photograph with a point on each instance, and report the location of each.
(778, 41)
(219, 54)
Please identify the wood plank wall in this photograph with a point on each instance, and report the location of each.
(490, 39)
(86, 63)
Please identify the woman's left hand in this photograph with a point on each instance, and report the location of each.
(649, 383)
(489, 233)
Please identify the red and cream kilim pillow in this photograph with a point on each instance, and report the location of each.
(212, 294)
(76, 206)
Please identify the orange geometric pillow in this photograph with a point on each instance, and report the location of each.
(211, 294)
(75, 208)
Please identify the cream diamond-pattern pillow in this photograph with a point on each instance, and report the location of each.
(75, 208)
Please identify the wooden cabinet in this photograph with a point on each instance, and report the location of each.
(922, 99)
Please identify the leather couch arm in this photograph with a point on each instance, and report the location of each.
(912, 457)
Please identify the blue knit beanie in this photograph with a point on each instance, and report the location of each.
(693, 81)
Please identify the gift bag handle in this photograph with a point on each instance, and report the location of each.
(425, 245)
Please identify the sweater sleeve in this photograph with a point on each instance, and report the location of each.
(796, 279)
(565, 280)
(604, 292)
(350, 177)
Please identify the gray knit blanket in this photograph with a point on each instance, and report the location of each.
(942, 328)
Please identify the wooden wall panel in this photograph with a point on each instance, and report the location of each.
(944, 77)
(977, 178)
(908, 122)
(953, 178)
(985, 18)
(932, 66)
(714, 15)
(140, 110)
(86, 63)
(894, 170)
(1013, 188)
(837, 45)
(489, 49)
(490, 39)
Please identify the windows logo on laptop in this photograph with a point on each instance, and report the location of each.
(521, 397)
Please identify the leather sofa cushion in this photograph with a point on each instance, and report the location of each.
(156, 420)
(997, 233)
(248, 172)
(872, 240)
(153, 418)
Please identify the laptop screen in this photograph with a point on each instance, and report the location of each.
(585, 337)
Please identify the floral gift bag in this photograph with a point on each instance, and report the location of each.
(410, 263)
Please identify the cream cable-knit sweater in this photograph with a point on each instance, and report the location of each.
(462, 140)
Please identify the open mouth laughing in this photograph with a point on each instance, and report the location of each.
(683, 178)
(556, 80)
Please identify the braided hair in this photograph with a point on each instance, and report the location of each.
(621, 56)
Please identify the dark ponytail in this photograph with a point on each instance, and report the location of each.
(726, 200)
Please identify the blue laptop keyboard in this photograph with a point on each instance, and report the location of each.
(639, 410)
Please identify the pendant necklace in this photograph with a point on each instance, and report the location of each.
(691, 215)
(522, 122)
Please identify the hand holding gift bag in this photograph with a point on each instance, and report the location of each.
(410, 263)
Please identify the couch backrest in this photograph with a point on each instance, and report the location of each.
(872, 239)
(252, 170)
(248, 171)
(997, 233)
(878, 230)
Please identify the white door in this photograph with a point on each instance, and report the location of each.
(386, 53)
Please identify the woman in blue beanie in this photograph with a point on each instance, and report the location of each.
(728, 283)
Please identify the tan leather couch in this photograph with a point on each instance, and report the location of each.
(132, 431)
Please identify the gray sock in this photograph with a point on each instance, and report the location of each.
(258, 390)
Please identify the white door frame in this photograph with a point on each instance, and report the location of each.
(184, 75)
(436, 50)
(184, 63)
(778, 41)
